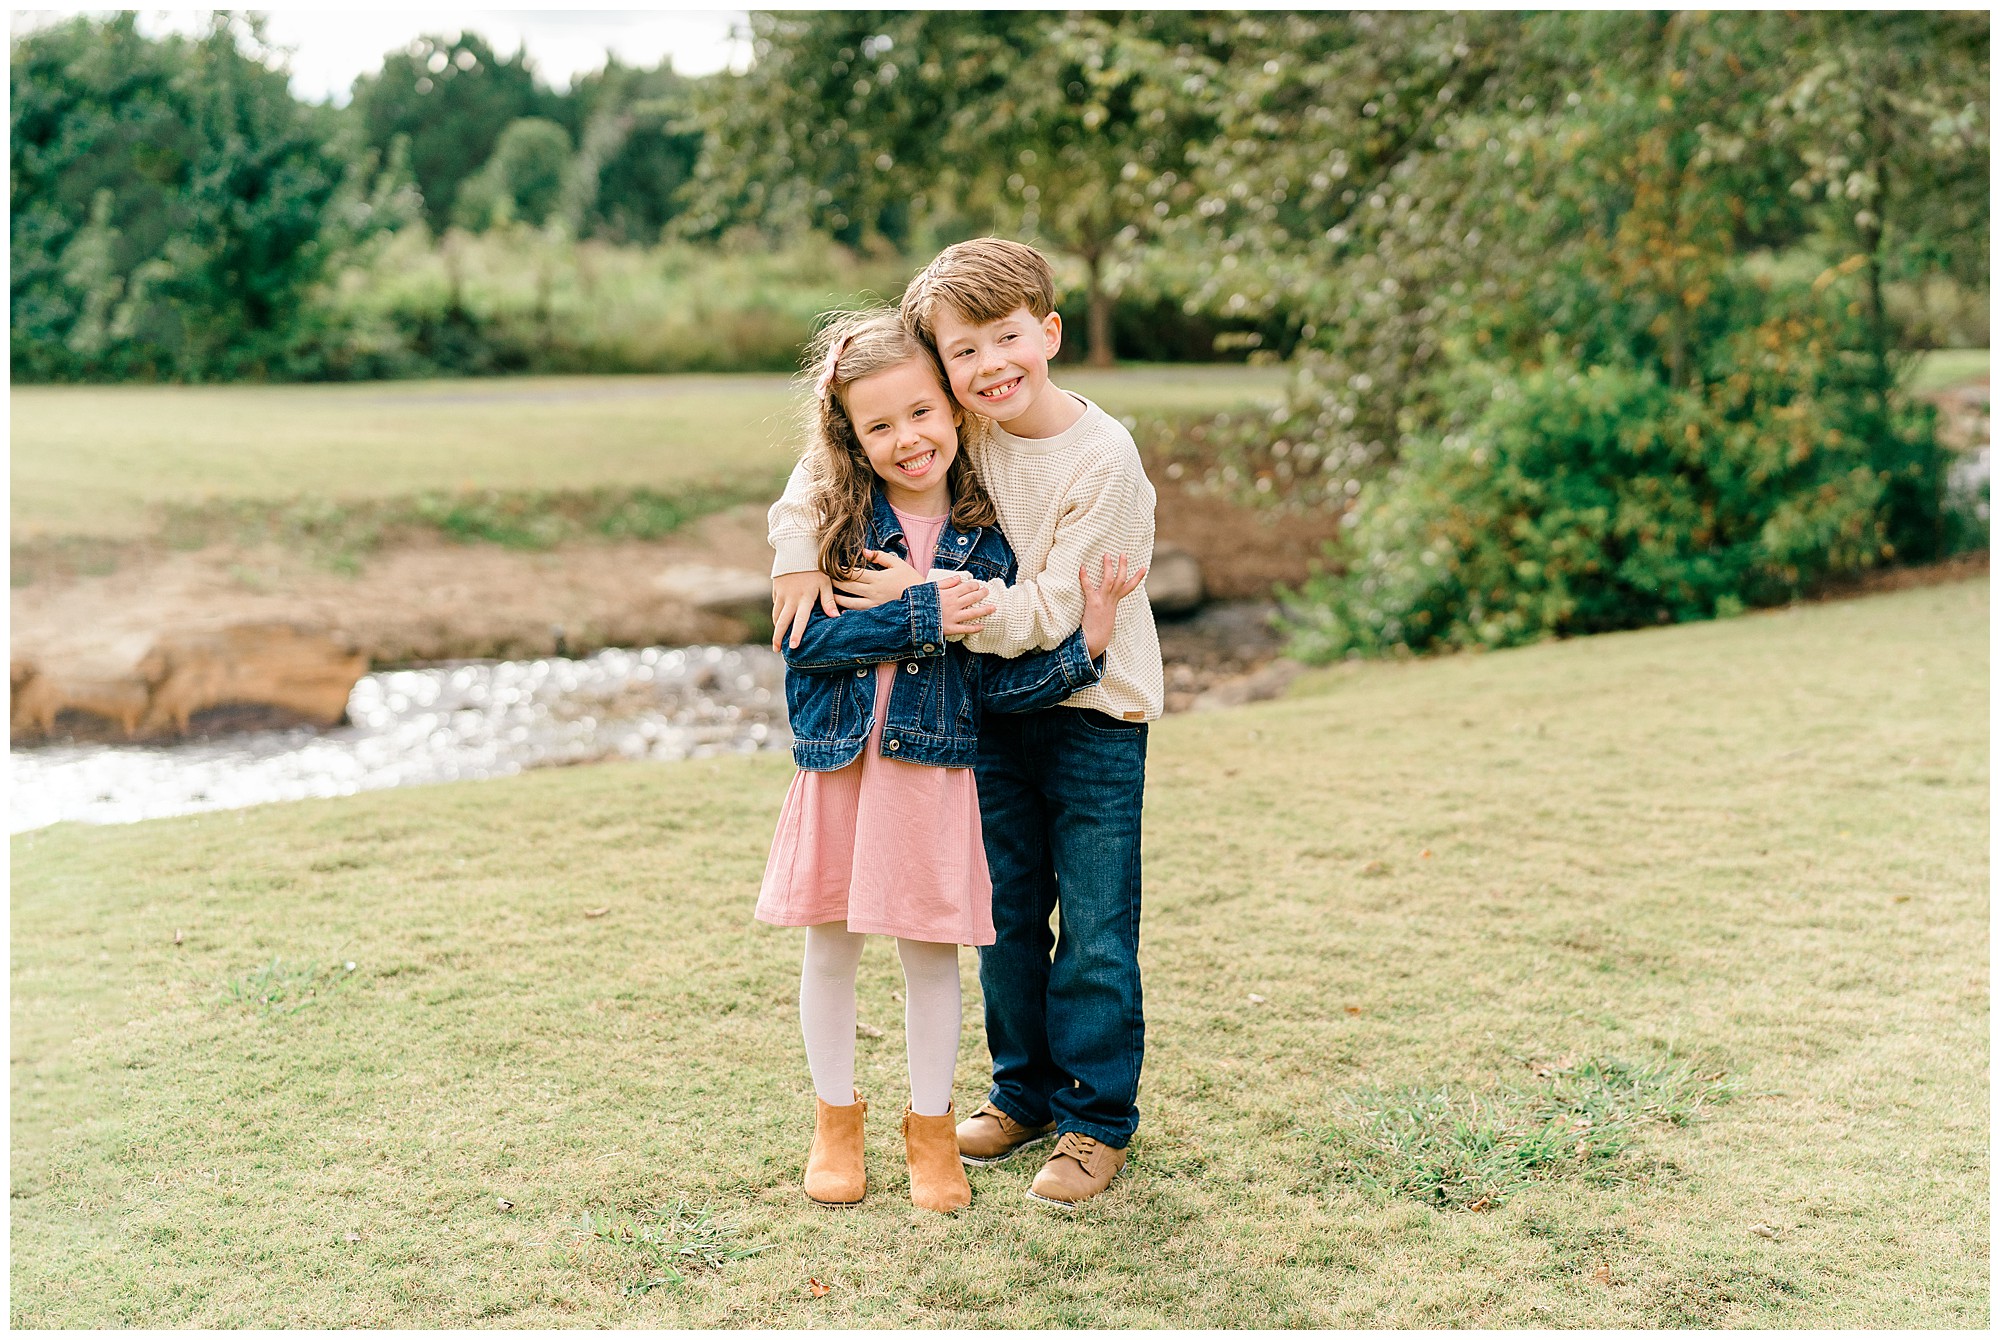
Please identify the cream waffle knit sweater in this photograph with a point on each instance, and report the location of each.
(1064, 502)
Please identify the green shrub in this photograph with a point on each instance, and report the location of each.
(1572, 500)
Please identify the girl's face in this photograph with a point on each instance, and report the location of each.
(908, 427)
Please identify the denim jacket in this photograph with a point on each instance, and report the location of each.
(941, 688)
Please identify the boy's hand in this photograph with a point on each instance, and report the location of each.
(869, 587)
(792, 597)
(1100, 603)
(962, 604)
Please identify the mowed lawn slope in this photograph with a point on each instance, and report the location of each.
(1755, 850)
(91, 460)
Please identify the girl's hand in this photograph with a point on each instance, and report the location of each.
(1100, 603)
(792, 597)
(962, 603)
(869, 587)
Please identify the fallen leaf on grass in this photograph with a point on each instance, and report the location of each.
(862, 1030)
(1480, 1206)
(1424, 855)
(1764, 1230)
(1899, 898)
(595, 912)
(1601, 1275)
(818, 1290)
(1256, 999)
(1354, 1009)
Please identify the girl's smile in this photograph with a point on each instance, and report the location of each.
(908, 428)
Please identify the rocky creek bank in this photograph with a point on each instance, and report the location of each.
(173, 645)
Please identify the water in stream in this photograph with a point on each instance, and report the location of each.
(410, 727)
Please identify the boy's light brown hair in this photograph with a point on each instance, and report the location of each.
(982, 280)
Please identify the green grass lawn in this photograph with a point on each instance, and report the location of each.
(1667, 951)
(1948, 367)
(92, 460)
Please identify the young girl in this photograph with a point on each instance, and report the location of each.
(880, 834)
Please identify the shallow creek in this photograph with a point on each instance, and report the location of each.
(412, 727)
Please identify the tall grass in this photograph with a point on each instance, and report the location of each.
(518, 299)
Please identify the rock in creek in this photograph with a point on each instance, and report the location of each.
(270, 672)
(1173, 584)
(732, 592)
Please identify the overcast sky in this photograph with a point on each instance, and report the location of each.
(331, 46)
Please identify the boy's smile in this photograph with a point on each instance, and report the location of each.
(1000, 369)
(993, 395)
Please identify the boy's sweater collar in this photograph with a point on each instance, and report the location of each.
(1086, 423)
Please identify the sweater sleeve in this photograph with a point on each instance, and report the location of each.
(1110, 512)
(793, 530)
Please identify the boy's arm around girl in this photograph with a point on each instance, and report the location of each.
(910, 627)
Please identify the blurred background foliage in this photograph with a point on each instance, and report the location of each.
(1595, 319)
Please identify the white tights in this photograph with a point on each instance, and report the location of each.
(930, 1015)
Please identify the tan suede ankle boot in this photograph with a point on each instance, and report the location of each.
(834, 1172)
(937, 1178)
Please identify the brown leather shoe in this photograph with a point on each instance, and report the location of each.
(937, 1179)
(1079, 1168)
(991, 1136)
(834, 1174)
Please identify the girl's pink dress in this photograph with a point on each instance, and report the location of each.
(889, 847)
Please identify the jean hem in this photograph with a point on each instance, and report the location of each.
(1102, 1134)
(1014, 1113)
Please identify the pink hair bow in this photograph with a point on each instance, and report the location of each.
(833, 354)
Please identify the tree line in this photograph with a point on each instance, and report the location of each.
(1266, 162)
(1597, 318)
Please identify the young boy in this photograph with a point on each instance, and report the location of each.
(1060, 789)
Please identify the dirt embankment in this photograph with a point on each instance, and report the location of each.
(436, 600)
(93, 637)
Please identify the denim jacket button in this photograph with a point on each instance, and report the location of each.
(929, 647)
(894, 745)
(911, 668)
(961, 539)
(860, 674)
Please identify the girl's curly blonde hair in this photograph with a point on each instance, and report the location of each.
(847, 348)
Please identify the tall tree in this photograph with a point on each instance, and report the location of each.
(452, 98)
(1885, 115)
(1425, 188)
(173, 207)
(524, 180)
(636, 150)
(1069, 130)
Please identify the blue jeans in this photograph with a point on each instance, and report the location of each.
(1059, 798)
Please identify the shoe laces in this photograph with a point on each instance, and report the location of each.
(1078, 1147)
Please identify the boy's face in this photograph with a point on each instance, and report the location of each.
(998, 368)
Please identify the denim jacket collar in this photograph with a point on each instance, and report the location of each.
(954, 546)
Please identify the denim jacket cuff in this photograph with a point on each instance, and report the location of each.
(1079, 671)
(926, 620)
